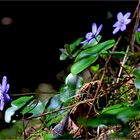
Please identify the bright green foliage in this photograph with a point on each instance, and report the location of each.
(48, 136)
(82, 64)
(95, 68)
(89, 56)
(95, 50)
(20, 102)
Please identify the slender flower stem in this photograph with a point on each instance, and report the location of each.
(122, 63)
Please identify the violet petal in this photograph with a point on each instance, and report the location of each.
(94, 28)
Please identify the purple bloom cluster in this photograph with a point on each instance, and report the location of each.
(122, 22)
(4, 97)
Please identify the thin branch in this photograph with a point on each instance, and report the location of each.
(57, 110)
(122, 64)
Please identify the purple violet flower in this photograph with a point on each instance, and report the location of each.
(122, 22)
(90, 37)
(4, 87)
(138, 30)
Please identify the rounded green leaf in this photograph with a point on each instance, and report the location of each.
(82, 64)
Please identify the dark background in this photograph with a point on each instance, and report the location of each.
(29, 47)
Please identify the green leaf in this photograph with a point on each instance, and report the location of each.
(55, 118)
(35, 108)
(66, 94)
(115, 108)
(115, 111)
(104, 54)
(95, 42)
(54, 103)
(114, 54)
(102, 120)
(95, 50)
(113, 115)
(70, 50)
(95, 68)
(64, 54)
(126, 115)
(67, 47)
(137, 73)
(20, 102)
(74, 82)
(137, 83)
(138, 37)
(48, 136)
(82, 64)
(122, 112)
(75, 53)
(16, 105)
(74, 45)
